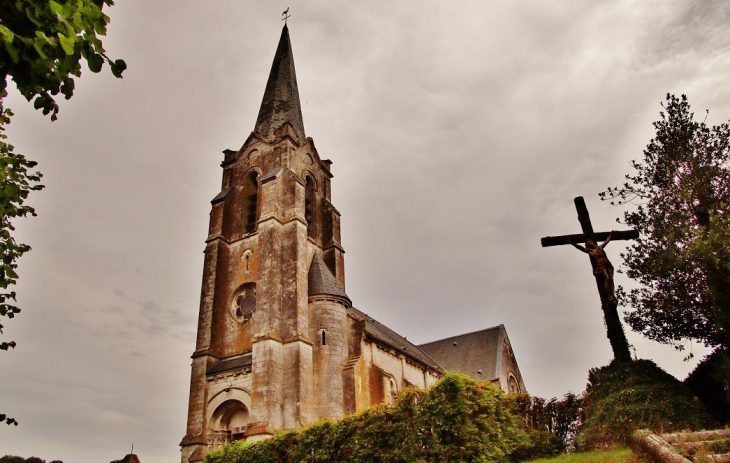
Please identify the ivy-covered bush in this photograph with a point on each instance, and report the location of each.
(710, 382)
(456, 420)
(626, 396)
(551, 425)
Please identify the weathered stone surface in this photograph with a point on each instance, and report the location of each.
(279, 344)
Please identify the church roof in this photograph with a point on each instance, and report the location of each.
(281, 98)
(321, 280)
(231, 364)
(470, 353)
(385, 335)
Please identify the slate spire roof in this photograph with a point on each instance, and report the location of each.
(321, 280)
(281, 98)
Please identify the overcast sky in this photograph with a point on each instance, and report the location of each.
(460, 133)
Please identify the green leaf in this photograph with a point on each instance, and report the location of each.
(67, 43)
(67, 88)
(58, 9)
(6, 34)
(12, 51)
(95, 61)
(38, 44)
(118, 67)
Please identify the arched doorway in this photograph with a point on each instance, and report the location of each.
(228, 423)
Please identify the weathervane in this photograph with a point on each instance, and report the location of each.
(285, 15)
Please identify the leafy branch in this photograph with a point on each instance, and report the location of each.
(42, 44)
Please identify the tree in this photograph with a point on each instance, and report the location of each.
(681, 193)
(42, 44)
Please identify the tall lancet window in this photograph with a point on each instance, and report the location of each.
(309, 206)
(251, 202)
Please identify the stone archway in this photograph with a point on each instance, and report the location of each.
(229, 417)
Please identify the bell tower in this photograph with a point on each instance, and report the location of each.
(253, 369)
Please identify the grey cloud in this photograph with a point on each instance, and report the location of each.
(459, 131)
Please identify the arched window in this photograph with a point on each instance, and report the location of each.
(251, 202)
(390, 389)
(513, 386)
(309, 206)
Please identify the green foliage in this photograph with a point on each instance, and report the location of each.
(457, 420)
(16, 182)
(626, 396)
(7, 420)
(598, 456)
(710, 382)
(42, 43)
(17, 459)
(681, 190)
(551, 425)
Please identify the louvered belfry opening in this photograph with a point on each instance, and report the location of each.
(309, 206)
(251, 196)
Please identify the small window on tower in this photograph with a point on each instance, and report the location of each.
(251, 202)
(309, 206)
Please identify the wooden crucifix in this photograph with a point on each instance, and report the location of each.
(602, 270)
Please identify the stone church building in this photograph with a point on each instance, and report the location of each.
(279, 343)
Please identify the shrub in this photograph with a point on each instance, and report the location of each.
(710, 382)
(551, 425)
(17, 459)
(456, 420)
(626, 396)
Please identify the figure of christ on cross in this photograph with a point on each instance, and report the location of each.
(603, 265)
(602, 270)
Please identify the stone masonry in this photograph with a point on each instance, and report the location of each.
(279, 344)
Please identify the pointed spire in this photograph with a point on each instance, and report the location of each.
(321, 280)
(281, 98)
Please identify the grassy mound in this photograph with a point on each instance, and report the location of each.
(456, 420)
(625, 396)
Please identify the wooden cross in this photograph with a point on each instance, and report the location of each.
(608, 303)
(285, 15)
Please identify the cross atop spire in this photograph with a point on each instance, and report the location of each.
(281, 98)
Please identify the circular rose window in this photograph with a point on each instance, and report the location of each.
(244, 304)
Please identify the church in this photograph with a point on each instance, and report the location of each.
(279, 343)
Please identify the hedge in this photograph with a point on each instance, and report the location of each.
(456, 420)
